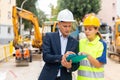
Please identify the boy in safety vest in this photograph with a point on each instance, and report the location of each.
(92, 67)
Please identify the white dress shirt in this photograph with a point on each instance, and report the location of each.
(63, 41)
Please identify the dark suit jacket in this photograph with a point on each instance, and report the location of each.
(52, 57)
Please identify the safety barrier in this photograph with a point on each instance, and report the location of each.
(6, 51)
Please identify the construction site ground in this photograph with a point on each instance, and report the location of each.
(9, 70)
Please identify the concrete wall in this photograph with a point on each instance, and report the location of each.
(6, 34)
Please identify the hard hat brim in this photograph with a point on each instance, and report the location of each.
(67, 20)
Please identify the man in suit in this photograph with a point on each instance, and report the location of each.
(56, 47)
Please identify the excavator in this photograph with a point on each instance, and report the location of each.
(24, 52)
(49, 26)
(114, 48)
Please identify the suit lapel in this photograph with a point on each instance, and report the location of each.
(57, 42)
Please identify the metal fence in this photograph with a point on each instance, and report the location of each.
(6, 51)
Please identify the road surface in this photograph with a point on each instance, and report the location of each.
(9, 71)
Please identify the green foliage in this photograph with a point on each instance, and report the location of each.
(53, 13)
(79, 7)
(30, 6)
(41, 17)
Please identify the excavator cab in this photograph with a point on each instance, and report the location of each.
(117, 36)
(49, 26)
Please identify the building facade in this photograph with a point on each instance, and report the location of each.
(118, 8)
(108, 13)
(6, 29)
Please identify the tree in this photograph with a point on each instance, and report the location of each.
(53, 13)
(41, 17)
(79, 7)
(30, 5)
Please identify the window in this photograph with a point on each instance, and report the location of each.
(9, 30)
(9, 2)
(119, 28)
(9, 15)
(0, 13)
(113, 4)
(113, 18)
(104, 29)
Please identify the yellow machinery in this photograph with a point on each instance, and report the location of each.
(114, 48)
(17, 12)
(54, 27)
(49, 26)
(17, 42)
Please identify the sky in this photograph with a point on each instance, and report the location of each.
(44, 5)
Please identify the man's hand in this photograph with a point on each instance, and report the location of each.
(64, 62)
(69, 52)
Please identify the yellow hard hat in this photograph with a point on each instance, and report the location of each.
(91, 20)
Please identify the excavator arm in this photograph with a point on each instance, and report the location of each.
(18, 12)
(15, 26)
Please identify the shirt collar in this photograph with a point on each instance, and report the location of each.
(60, 34)
(94, 41)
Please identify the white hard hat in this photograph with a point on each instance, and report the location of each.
(65, 15)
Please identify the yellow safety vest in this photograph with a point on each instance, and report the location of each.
(86, 70)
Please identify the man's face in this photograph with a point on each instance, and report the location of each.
(65, 28)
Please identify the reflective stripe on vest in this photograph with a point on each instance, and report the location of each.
(87, 78)
(85, 65)
(89, 72)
